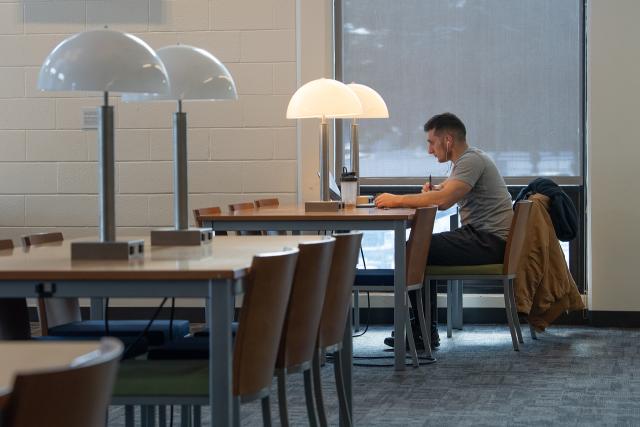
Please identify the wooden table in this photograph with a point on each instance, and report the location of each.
(295, 218)
(214, 271)
(32, 356)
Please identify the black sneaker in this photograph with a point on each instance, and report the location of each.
(390, 341)
(435, 341)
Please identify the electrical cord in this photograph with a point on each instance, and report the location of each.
(146, 329)
(173, 308)
(106, 317)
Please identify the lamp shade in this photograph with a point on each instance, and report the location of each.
(103, 60)
(323, 98)
(373, 106)
(194, 73)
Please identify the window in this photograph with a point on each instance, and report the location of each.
(511, 70)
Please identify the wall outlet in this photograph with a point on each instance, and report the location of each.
(89, 118)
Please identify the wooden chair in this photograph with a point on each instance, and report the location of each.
(41, 238)
(505, 272)
(267, 203)
(300, 331)
(270, 203)
(417, 255)
(333, 322)
(257, 341)
(201, 212)
(61, 317)
(75, 396)
(14, 314)
(241, 207)
(6, 244)
(53, 312)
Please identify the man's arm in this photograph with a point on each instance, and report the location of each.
(449, 194)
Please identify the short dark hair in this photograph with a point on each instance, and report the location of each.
(449, 122)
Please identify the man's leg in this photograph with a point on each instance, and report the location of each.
(463, 246)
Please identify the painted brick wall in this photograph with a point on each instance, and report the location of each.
(238, 151)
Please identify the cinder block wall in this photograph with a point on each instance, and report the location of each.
(238, 151)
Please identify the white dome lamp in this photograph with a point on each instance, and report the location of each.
(194, 74)
(323, 98)
(104, 61)
(373, 107)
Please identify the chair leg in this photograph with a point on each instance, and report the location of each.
(308, 397)
(426, 334)
(412, 342)
(236, 411)
(162, 416)
(514, 311)
(317, 386)
(342, 395)
(282, 398)
(266, 411)
(532, 331)
(507, 306)
(356, 310)
(197, 416)
(185, 415)
(129, 416)
(449, 309)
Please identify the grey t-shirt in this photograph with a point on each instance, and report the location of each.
(487, 206)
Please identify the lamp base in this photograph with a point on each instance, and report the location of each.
(323, 206)
(122, 250)
(175, 237)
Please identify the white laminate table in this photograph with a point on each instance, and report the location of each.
(215, 271)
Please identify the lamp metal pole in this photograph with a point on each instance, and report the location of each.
(107, 172)
(180, 170)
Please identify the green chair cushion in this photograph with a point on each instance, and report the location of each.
(162, 378)
(464, 270)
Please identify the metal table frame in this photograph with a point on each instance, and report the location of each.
(220, 293)
(309, 223)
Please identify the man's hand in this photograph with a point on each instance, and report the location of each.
(387, 200)
(429, 187)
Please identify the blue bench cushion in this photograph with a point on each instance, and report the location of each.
(196, 347)
(374, 277)
(158, 333)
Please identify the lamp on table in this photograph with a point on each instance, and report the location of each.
(104, 61)
(194, 73)
(323, 99)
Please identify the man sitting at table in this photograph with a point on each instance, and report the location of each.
(482, 197)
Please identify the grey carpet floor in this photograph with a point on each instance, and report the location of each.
(569, 376)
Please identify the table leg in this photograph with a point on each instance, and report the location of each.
(399, 294)
(347, 363)
(96, 308)
(219, 319)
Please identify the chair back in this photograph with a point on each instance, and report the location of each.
(267, 203)
(199, 213)
(40, 238)
(75, 396)
(53, 311)
(419, 243)
(262, 315)
(241, 206)
(337, 300)
(301, 324)
(6, 244)
(517, 234)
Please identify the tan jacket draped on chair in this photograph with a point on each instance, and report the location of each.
(544, 287)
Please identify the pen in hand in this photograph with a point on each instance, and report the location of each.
(430, 187)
